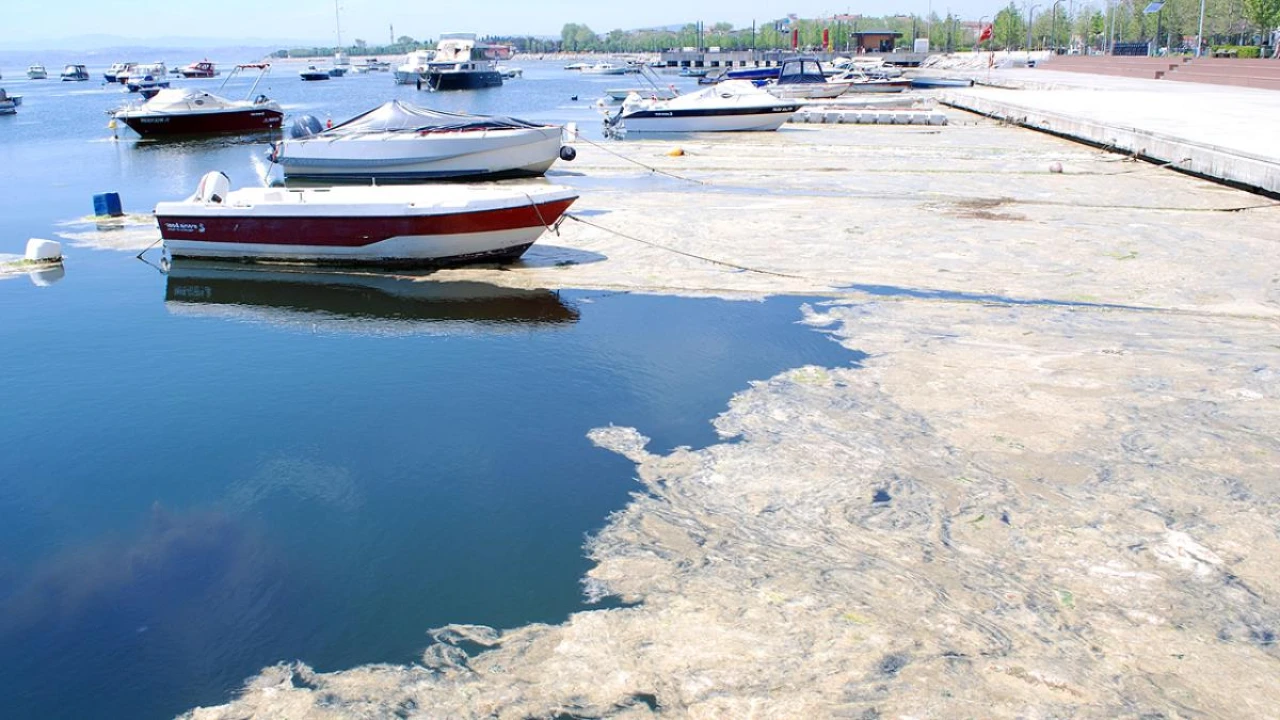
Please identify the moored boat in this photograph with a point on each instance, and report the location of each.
(114, 72)
(731, 106)
(397, 226)
(36, 71)
(74, 73)
(929, 82)
(9, 103)
(414, 68)
(184, 111)
(401, 142)
(860, 82)
(312, 73)
(803, 78)
(200, 69)
(462, 63)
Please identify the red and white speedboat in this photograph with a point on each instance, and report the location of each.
(183, 111)
(397, 226)
(201, 69)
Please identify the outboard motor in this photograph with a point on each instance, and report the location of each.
(213, 187)
(305, 126)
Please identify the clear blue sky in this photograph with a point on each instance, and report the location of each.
(370, 19)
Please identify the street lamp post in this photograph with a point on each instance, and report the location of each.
(1200, 32)
(1053, 29)
(1031, 13)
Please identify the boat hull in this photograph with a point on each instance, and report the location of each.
(489, 154)
(463, 80)
(385, 240)
(222, 123)
(710, 120)
(808, 90)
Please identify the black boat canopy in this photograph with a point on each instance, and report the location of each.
(396, 116)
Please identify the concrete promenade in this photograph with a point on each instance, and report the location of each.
(1220, 132)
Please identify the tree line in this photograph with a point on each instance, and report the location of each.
(1015, 27)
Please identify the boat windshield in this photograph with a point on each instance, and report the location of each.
(396, 116)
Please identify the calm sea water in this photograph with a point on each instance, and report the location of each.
(209, 471)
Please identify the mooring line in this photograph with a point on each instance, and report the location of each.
(670, 249)
(637, 162)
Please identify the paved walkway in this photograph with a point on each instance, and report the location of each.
(1228, 133)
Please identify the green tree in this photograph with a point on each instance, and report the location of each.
(1008, 29)
(1265, 14)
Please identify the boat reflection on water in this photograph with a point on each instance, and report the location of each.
(356, 301)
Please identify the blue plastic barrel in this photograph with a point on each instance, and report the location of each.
(107, 204)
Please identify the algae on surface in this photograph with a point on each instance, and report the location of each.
(1049, 491)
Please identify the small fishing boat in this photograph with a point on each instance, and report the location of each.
(373, 65)
(397, 226)
(200, 69)
(313, 73)
(9, 103)
(803, 78)
(507, 72)
(184, 111)
(731, 106)
(36, 71)
(74, 73)
(400, 142)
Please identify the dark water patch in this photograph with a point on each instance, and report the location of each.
(881, 496)
(345, 462)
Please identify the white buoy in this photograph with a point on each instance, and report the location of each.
(45, 251)
(1055, 167)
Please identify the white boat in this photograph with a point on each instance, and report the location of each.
(36, 71)
(116, 70)
(400, 225)
(661, 93)
(860, 82)
(802, 77)
(507, 72)
(185, 111)
(401, 142)
(414, 68)
(145, 75)
(74, 73)
(731, 106)
(577, 66)
(605, 68)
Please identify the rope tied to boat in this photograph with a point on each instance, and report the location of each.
(550, 228)
(668, 248)
(637, 162)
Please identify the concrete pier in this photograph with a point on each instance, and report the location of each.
(1220, 132)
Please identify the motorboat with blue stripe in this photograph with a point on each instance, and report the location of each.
(730, 106)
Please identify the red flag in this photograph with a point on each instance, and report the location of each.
(986, 34)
